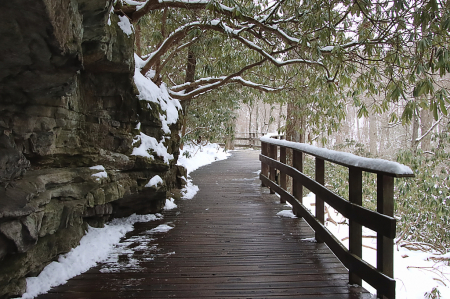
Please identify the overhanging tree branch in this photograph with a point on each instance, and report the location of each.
(207, 84)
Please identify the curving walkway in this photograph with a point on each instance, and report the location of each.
(227, 242)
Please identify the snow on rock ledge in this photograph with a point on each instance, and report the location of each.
(376, 165)
(150, 92)
(149, 143)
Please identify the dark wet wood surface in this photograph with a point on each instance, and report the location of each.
(227, 242)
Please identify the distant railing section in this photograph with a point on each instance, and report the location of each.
(246, 140)
(380, 221)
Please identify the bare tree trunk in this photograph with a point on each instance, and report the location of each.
(415, 132)
(250, 112)
(425, 125)
(293, 123)
(279, 119)
(358, 129)
(373, 138)
(257, 119)
(137, 36)
(190, 76)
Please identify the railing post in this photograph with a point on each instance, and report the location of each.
(272, 170)
(320, 178)
(283, 175)
(297, 188)
(385, 246)
(264, 167)
(355, 229)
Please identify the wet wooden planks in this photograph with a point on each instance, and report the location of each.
(227, 242)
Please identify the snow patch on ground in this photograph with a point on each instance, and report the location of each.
(189, 190)
(193, 157)
(170, 204)
(94, 247)
(286, 213)
(163, 228)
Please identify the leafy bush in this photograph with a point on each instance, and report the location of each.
(422, 203)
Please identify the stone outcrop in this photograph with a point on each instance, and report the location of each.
(68, 102)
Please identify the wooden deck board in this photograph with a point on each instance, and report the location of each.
(227, 242)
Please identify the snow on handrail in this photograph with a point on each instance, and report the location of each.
(346, 159)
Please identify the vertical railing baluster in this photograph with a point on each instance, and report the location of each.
(297, 187)
(320, 178)
(282, 174)
(385, 246)
(355, 229)
(264, 167)
(272, 170)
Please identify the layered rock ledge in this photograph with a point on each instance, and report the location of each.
(68, 103)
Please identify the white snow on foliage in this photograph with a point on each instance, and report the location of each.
(94, 247)
(138, 4)
(125, 25)
(154, 181)
(345, 158)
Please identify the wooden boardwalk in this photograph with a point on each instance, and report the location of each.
(227, 242)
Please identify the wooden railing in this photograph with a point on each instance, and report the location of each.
(251, 140)
(380, 221)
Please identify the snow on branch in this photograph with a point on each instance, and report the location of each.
(429, 130)
(215, 83)
(207, 84)
(231, 12)
(217, 25)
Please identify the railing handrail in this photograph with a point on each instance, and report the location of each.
(381, 221)
(346, 159)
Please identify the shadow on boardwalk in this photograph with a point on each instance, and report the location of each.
(227, 242)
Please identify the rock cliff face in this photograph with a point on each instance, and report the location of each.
(68, 102)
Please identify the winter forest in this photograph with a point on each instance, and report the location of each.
(108, 106)
(365, 77)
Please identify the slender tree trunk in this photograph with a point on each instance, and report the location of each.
(373, 140)
(137, 36)
(415, 132)
(358, 129)
(190, 76)
(257, 119)
(279, 119)
(425, 125)
(294, 124)
(250, 112)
